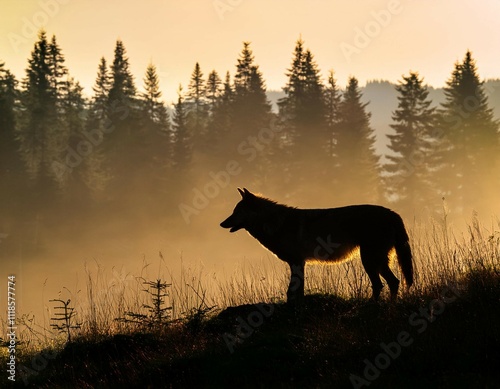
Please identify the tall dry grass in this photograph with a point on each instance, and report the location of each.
(441, 256)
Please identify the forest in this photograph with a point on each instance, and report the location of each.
(67, 158)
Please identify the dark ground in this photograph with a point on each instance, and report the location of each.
(448, 338)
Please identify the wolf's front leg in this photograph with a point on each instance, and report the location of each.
(295, 293)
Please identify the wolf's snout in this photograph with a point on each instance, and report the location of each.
(226, 223)
(230, 223)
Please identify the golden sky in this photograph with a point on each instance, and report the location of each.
(376, 39)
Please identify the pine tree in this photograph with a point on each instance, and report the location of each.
(121, 107)
(228, 92)
(123, 143)
(250, 113)
(77, 179)
(197, 107)
(153, 107)
(243, 71)
(60, 82)
(303, 116)
(250, 107)
(97, 128)
(470, 146)
(97, 125)
(8, 142)
(58, 71)
(213, 89)
(410, 167)
(181, 136)
(11, 167)
(40, 134)
(332, 98)
(294, 88)
(357, 165)
(156, 127)
(219, 122)
(101, 88)
(122, 85)
(303, 108)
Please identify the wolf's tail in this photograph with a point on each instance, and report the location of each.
(403, 251)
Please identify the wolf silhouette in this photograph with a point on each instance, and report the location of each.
(299, 235)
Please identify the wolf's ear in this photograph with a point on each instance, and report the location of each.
(246, 194)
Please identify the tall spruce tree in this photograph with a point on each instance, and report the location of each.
(213, 89)
(181, 137)
(357, 165)
(243, 71)
(79, 178)
(469, 154)
(250, 107)
(333, 97)
(219, 122)
(58, 71)
(40, 134)
(410, 167)
(97, 129)
(156, 128)
(124, 143)
(197, 107)
(303, 116)
(303, 107)
(12, 170)
(97, 115)
(250, 114)
(154, 109)
(121, 109)
(122, 83)
(8, 97)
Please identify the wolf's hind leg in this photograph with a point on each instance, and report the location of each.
(391, 279)
(371, 265)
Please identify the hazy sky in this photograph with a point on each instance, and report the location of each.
(368, 39)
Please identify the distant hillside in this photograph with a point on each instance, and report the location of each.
(381, 97)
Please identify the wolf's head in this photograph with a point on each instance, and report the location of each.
(244, 212)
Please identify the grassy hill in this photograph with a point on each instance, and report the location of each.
(446, 339)
(441, 333)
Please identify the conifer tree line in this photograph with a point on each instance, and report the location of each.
(60, 150)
